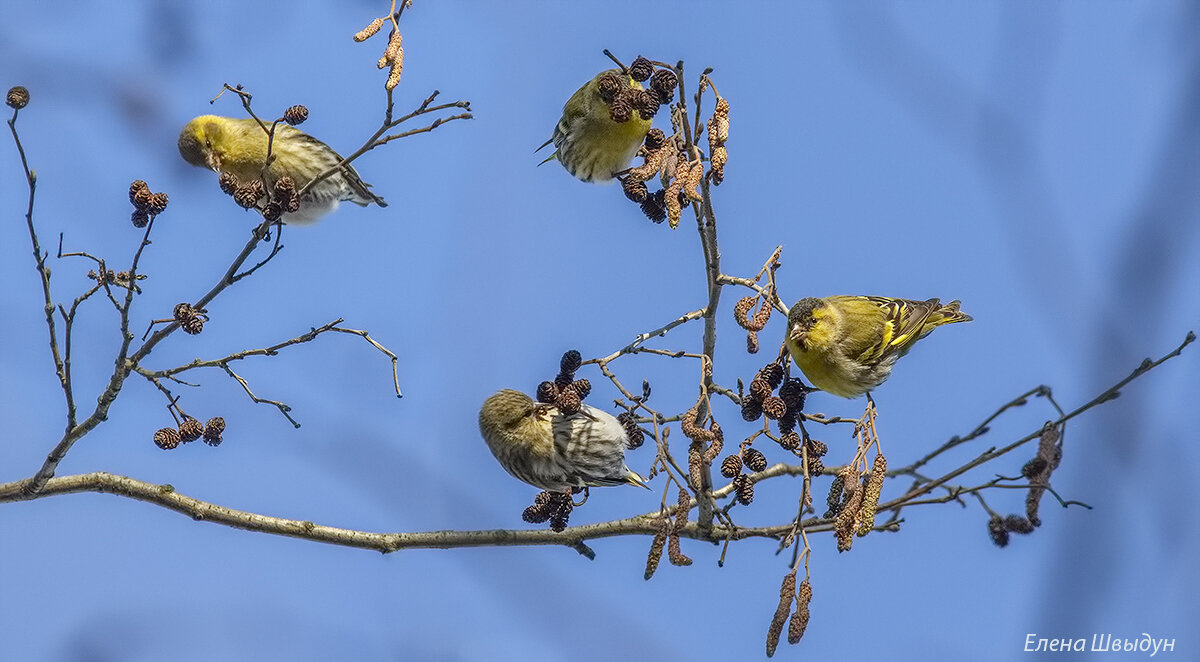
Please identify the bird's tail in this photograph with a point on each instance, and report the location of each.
(948, 314)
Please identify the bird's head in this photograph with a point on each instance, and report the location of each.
(196, 142)
(804, 320)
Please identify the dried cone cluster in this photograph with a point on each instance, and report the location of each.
(190, 430)
(706, 445)
(636, 436)
(789, 593)
(17, 97)
(190, 319)
(393, 54)
(565, 392)
(669, 524)
(718, 133)
(1038, 470)
(852, 501)
(555, 507)
(752, 324)
(146, 205)
(109, 277)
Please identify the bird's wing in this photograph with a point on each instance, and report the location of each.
(903, 324)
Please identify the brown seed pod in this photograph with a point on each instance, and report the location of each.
(741, 311)
(789, 441)
(691, 174)
(654, 140)
(228, 182)
(248, 194)
(674, 553)
(295, 115)
(273, 211)
(568, 401)
(717, 160)
(621, 109)
(158, 203)
(1018, 524)
(17, 97)
(139, 218)
(687, 425)
(760, 389)
(583, 387)
(560, 511)
(817, 448)
(815, 466)
(718, 442)
(751, 409)
(833, 500)
(754, 459)
(190, 430)
(397, 70)
(731, 466)
(654, 207)
(570, 362)
(166, 438)
(671, 200)
(799, 621)
(787, 592)
(792, 392)
(997, 532)
(663, 82)
(773, 373)
(634, 189)
(183, 311)
(652, 163)
(192, 325)
(283, 189)
(744, 488)
(645, 103)
(134, 188)
(369, 31)
(609, 86)
(656, 552)
(641, 69)
(141, 198)
(213, 430)
(774, 408)
(871, 493)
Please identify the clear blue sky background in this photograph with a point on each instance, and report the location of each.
(1038, 160)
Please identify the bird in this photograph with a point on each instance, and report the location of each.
(542, 446)
(848, 345)
(588, 141)
(239, 146)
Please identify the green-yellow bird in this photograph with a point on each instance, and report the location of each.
(239, 146)
(847, 345)
(589, 141)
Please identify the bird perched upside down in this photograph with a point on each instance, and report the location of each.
(239, 146)
(539, 445)
(588, 142)
(847, 345)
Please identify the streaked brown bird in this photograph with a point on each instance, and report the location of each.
(538, 444)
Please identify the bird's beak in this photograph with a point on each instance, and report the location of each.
(634, 479)
(214, 162)
(798, 336)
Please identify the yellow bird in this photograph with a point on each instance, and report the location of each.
(589, 140)
(847, 345)
(239, 146)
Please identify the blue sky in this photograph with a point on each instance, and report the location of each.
(1035, 160)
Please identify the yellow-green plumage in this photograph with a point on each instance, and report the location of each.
(847, 345)
(588, 143)
(239, 146)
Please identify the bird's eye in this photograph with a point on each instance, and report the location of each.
(207, 142)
